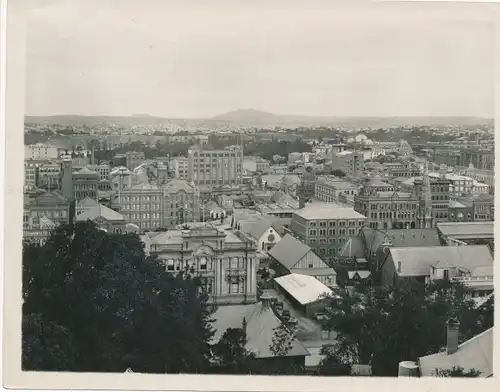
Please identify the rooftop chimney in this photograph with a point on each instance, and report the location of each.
(452, 333)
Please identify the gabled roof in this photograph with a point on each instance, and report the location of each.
(417, 261)
(261, 322)
(50, 198)
(85, 170)
(100, 211)
(175, 185)
(476, 353)
(289, 251)
(87, 202)
(304, 288)
(259, 226)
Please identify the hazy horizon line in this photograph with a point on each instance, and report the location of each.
(213, 116)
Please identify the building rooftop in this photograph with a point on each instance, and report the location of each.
(99, 211)
(260, 325)
(476, 353)
(416, 261)
(290, 250)
(467, 229)
(305, 289)
(328, 211)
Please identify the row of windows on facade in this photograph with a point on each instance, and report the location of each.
(391, 206)
(440, 197)
(48, 214)
(220, 155)
(323, 232)
(83, 187)
(329, 251)
(388, 215)
(333, 223)
(214, 173)
(325, 241)
(144, 216)
(204, 263)
(214, 160)
(333, 191)
(140, 206)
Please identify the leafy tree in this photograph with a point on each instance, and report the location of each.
(331, 365)
(338, 173)
(230, 355)
(383, 326)
(458, 371)
(94, 302)
(281, 341)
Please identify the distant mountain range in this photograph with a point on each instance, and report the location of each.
(260, 118)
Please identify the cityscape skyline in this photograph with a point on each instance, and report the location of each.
(198, 63)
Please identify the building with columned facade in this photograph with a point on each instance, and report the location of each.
(225, 262)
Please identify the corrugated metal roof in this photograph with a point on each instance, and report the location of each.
(305, 289)
(476, 353)
(289, 251)
(416, 261)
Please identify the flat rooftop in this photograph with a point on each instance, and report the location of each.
(328, 211)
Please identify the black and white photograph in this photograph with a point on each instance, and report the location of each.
(257, 189)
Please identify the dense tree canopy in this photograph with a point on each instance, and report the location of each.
(94, 302)
(383, 326)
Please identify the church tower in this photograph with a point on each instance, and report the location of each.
(425, 207)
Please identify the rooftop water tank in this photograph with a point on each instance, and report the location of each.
(408, 369)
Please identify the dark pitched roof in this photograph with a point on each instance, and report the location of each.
(289, 251)
(401, 237)
(261, 322)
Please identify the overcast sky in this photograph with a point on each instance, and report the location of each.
(103, 57)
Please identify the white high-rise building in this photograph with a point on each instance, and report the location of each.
(215, 168)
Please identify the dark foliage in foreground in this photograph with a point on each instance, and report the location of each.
(94, 302)
(382, 327)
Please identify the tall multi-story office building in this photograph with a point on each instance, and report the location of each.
(78, 184)
(350, 162)
(306, 187)
(180, 168)
(328, 189)
(215, 168)
(150, 206)
(436, 195)
(30, 173)
(48, 175)
(479, 158)
(181, 203)
(85, 184)
(142, 205)
(326, 227)
(386, 208)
